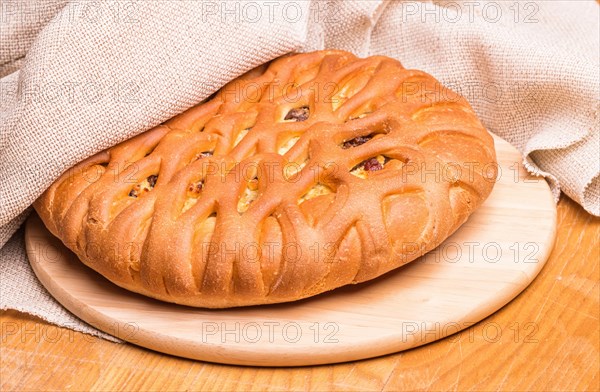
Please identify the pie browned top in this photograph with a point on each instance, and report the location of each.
(306, 174)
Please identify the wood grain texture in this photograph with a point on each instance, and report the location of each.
(560, 352)
(477, 270)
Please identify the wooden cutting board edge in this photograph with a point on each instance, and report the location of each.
(267, 355)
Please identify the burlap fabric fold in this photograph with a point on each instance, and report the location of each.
(78, 77)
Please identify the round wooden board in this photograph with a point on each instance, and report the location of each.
(476, 271)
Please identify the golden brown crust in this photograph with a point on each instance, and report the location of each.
(378, 164)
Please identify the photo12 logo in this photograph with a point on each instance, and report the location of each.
(466, 331)
(270, 11)
(39, 332)
(22, 12)
(280, 332)
(470, 11)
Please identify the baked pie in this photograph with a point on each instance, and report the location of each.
(309, 173)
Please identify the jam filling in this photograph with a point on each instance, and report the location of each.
(357, 141)
(298, 114)
(369, 165)
(144, 186)
(196, 187)
(372, 164)
(193, 192)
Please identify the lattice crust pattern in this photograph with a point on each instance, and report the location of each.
(312, 172)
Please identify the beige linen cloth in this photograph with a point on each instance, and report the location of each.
(80, 76)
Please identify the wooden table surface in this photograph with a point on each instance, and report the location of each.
(545, 339)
